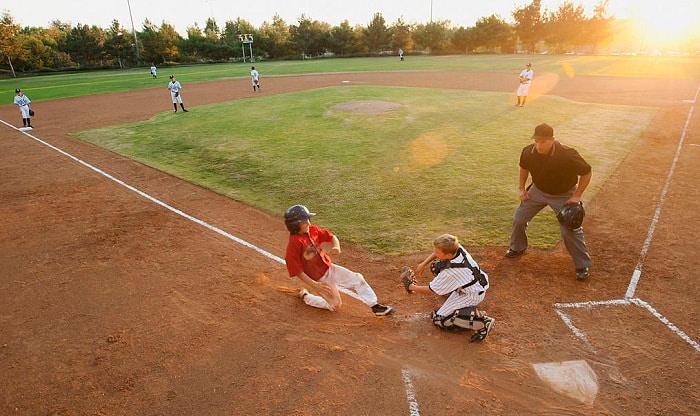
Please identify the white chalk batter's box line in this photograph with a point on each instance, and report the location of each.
(616, 302)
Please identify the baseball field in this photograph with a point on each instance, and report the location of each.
(140, 266)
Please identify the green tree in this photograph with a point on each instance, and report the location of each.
(10, 45)
(194, 44)
(159, 44)
(377, 35)
(464, 39)
(58, 32)
(566, 28)
(39, 49)
(309, 38)
(529, 25)
(119, 45)
(274, 38)
(493, 34)
(230, 38)
(598, 29)
(85, 44)
(401, 35)
(434, 37)
(341, 39)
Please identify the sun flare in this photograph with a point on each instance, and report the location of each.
(668, 21)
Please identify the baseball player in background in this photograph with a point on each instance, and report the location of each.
(559, 177)
(457, 276)
(308, 261)
(255, 78)
(524, 87)
(154, 71)
(22, 101)
(175, 87)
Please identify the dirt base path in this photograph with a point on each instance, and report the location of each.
(114, 305)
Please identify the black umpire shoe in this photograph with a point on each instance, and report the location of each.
(510, 253)
(582, 274)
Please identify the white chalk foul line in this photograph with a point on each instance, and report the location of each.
(657, 214)
(410, 393)
(163, 204)
(153, 199)
(666, 322)
(617, 302)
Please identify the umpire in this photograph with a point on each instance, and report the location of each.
(559, 177)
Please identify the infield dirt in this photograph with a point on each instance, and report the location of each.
(113, 305)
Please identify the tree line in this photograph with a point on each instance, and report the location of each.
(63, 46)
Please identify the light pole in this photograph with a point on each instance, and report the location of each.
(133, 30)
(431, 11)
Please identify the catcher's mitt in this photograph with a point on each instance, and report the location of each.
(31, 112)
(407, 277)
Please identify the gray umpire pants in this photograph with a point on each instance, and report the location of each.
(526, 211)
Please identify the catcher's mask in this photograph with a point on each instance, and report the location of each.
(294, 215)
(571, 216)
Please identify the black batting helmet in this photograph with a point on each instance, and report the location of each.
(571, 216)
(294, 215)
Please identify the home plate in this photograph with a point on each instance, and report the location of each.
(575, 379)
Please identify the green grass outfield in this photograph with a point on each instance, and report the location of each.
(49, 87)
(390, 181)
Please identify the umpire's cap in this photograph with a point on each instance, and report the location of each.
(543, 131)
(294, 215)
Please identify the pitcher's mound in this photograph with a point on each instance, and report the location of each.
(366, 107)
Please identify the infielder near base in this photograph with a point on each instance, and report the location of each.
(22, 101)
(175, 87)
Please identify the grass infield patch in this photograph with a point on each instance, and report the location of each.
(390, 180)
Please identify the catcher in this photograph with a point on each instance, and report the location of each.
(457, 275)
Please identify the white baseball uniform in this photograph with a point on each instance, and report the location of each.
(450, 280)
(524, 87)
(175, 87)
(255, 79)
(22, 101)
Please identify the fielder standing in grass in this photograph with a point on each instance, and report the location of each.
(524, 87)
(308, 261)
(175, 87)
(22, 101)
(559, 177)
(255, 78)
(457, 276)
(154, 71)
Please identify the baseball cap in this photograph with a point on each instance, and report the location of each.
(172, 76)
(17, 90)
(543, 131)
(528, 64)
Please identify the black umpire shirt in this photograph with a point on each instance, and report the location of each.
(556, 172)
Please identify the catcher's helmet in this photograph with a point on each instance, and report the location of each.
(294, 215)
(571, 216)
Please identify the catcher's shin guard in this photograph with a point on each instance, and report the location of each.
(468, 318)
